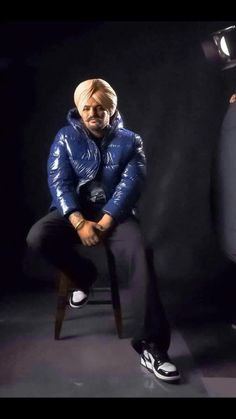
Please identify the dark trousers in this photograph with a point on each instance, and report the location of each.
(55, 239)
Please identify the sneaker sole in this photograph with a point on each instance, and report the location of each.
(75, 306)
(149, 367)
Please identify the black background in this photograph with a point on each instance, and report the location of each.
(167, 92)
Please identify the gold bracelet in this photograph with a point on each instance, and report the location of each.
(80, 224)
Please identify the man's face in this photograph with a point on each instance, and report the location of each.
(95, 117)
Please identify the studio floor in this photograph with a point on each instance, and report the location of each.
(91, 361)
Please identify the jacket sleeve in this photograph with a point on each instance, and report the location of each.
(129, 188)
(61, 177)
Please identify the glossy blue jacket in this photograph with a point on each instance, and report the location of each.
(75, 159)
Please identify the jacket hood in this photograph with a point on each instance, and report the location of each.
(74, 119)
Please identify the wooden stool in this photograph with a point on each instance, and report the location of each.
(66, 285)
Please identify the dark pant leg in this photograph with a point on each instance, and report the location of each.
(56, 240)
(150, 322)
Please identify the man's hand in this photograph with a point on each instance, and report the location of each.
(232, 98)
(91, 233)
(88, 233)
(104, 225)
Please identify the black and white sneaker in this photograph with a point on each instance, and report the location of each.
(159, 363)
(78, 299)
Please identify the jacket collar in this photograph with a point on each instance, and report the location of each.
(74, 119)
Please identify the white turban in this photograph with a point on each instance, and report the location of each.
(99, 90)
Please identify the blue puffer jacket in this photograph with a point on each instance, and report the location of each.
(75, 159)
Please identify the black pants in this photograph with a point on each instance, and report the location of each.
(55, 239)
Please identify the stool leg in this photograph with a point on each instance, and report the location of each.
(115, 295)
(118, 316)
(64, 285)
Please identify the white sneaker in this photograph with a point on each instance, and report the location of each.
(78, 299)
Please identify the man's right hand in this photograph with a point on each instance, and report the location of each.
(88, 233)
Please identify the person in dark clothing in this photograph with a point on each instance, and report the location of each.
(225, 203)
(96, 172)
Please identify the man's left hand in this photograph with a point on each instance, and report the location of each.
(104, 225)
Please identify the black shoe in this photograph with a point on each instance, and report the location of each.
(159, 363)
(78, 299)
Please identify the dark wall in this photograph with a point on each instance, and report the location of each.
(167, 92)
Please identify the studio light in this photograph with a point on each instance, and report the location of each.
(220, 47)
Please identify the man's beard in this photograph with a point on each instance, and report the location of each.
(96, 129)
